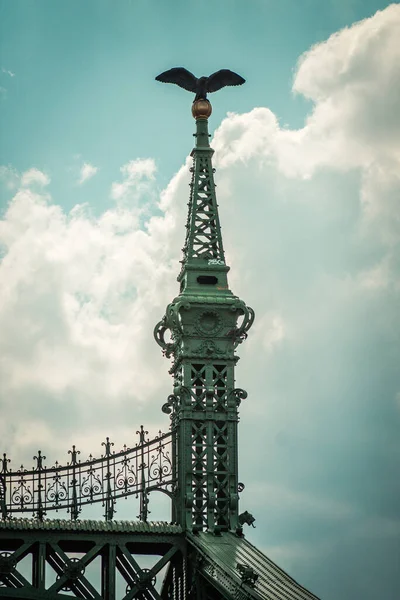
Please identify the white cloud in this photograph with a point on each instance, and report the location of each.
(310, 222)
(7, 72)
(34, 177)
(80, 298)
(87, 172)
(137, 176)
(271, 330)
(9, 177)
(353, 79)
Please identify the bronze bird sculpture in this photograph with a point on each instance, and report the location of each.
(203, 85)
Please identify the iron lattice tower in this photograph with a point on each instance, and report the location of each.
(206, 322)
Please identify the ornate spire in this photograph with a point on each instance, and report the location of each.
(203, 236)
(203, 252)
(206, 323)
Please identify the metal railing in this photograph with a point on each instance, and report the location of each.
(132, 471)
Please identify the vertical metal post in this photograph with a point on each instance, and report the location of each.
(74, 505)
(39, 566)
(40, 512)
(3, 486)
(143, 511)
(109, 500)
(108, 572)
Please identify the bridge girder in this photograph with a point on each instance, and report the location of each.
(117, 551)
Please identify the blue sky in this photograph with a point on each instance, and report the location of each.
(93, 192)
(85, 74)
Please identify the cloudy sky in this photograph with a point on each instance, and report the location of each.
(93, 197)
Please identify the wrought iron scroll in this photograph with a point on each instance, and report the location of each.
(134, 471)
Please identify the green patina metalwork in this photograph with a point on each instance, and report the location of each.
(203, 231)
(115, 546)
(206, 322)
(196, 464)
(42, 491)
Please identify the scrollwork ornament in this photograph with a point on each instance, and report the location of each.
(22, 493)
(160, 464)
(159, 335)
(91, 485)
(238, 395)
(69, 487)
(239, 334)
(170, 405)
(173, 317)
(125, 477)
(57, 491)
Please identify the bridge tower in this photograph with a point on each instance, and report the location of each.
(205, 322)
(202, 554)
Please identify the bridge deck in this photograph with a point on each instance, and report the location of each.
(214, 567)
(221, 555)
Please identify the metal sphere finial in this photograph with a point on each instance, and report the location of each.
(201, 109)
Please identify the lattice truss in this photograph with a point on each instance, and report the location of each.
(203, 237)
(212, 465)
(209, 386)
(95, 570)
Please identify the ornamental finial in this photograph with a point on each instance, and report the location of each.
(201, 109)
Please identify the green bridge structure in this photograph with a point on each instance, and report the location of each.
(202, 553)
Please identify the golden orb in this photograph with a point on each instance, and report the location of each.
(201, 109)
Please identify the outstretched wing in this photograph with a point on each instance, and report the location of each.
(221, 78)
(182, 77)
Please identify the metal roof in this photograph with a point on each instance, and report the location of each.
(90, 526)
(221, 555)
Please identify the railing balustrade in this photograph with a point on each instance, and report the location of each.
(134, 471)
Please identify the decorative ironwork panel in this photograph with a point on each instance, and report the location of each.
(133, 471)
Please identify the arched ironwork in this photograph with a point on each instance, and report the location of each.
(136, 471)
